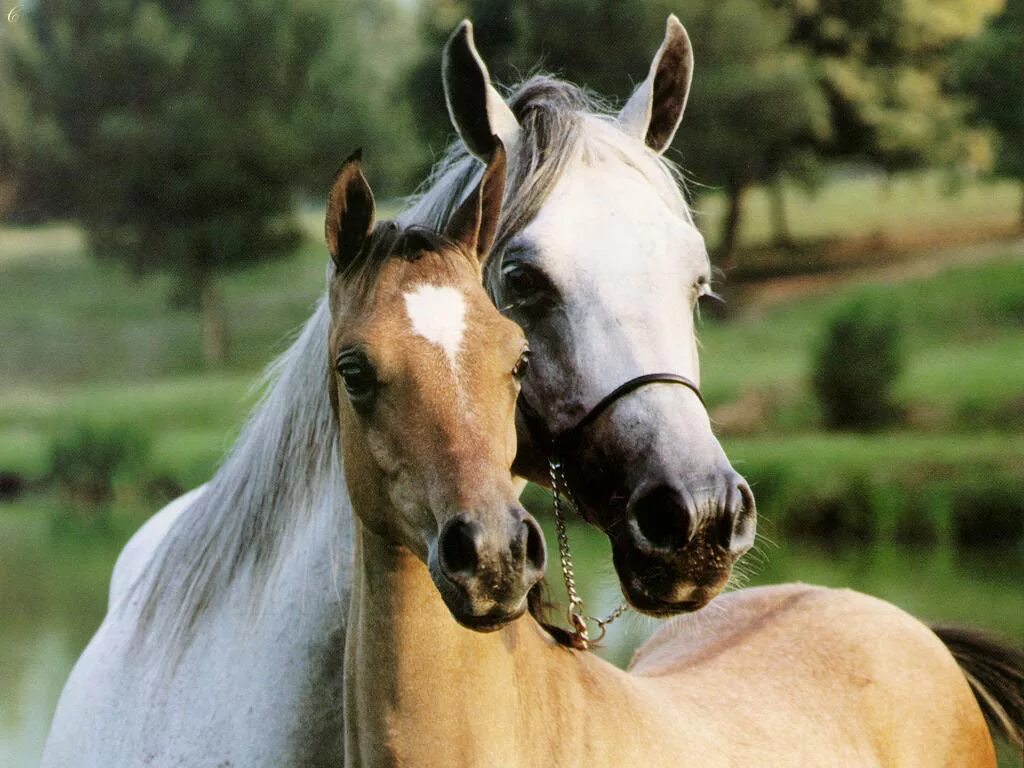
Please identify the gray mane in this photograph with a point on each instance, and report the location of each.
(561, 126)
(285, 466)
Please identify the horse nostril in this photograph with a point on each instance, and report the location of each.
(723, 529)
(745, 521)
(458, 550)
(734, 528)
(536, 551)
(663, 519)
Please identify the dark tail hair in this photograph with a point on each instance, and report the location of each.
(995, 671)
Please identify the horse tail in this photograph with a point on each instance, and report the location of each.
(995, 671)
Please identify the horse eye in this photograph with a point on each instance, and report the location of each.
(520, 281)
(358, 376)
(519, 369)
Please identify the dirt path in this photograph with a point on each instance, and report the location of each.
(755, 298)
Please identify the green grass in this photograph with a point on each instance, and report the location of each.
(813, 459)
(962, 335)
(192, 419)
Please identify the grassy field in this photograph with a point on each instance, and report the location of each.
(959, 331)
(84, 342)
(867, 204)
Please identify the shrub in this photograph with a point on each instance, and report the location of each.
(86, 461)
(856, 366)
(843, 514)
(988, 515)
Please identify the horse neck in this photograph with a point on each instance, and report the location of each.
(422, 690)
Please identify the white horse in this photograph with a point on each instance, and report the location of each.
(224, 638)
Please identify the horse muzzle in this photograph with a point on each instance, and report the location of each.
(485, 566)
(679, 545)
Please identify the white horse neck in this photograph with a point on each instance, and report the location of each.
(422, 690)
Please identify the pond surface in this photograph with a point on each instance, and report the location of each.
(53, 596)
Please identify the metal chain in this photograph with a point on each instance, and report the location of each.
(577, 617)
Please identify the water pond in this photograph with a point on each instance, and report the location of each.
(53, 595)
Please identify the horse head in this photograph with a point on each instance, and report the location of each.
(424, 378)
(598, 259)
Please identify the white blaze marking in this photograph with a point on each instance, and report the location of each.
(438, 314)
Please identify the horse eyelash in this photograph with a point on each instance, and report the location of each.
(709, 293)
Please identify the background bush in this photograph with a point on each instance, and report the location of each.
(88, 459)
(857, 364)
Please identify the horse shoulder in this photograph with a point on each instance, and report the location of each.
(138, 552)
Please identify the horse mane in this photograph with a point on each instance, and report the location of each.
(285, 467)
(561, 127)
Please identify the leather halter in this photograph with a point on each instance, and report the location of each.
(556, 444)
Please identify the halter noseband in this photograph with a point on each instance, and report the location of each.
(555, 444)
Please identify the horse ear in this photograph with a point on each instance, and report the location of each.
(476, 108)
(350, 211)
(475, 223)
(654, 110)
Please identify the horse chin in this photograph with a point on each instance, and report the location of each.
(641, 600)
(491, 621)
(654, 588)
(468, 612)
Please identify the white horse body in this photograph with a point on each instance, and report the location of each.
(252, 688)
(224, 639)
(142, 546)
(256, 680)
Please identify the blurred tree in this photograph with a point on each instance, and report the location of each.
(180, 131)
(352, 100)
(885, 65)
(756, 109)
(991, 70)
(12, 127)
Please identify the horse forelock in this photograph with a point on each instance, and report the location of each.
(286, 465)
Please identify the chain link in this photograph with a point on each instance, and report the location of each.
(577, 617)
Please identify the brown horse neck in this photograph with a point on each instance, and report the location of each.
(422, 690)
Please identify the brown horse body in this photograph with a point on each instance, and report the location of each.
(781, 676)
(424, 386)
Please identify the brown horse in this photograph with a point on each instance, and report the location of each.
(424, 383)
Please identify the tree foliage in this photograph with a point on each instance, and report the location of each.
(991, 69)
(885, 67)
(757, 109)
(180, 132)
